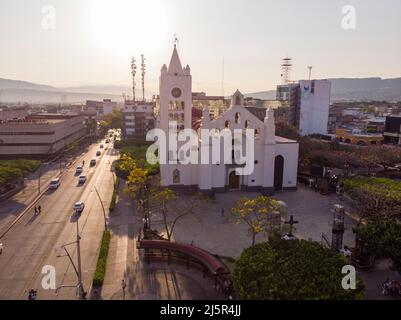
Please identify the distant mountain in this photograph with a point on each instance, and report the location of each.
(343, 89)
(23, 91)
(354, 89)
(109, 89)
(17, 84)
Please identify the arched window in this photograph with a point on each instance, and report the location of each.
(257, 133)
(227, 124)
(247, 124)
(237, 118)
(176, 176)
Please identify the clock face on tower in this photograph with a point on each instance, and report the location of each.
(176, 92)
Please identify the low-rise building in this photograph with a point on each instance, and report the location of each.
(392, 130)
(358, 137)
(101, 107)
(40, 135)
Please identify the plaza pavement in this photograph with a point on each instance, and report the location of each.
(154, 281)
(208, 229)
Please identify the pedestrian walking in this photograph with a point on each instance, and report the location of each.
(35, 210)
(123, 286)
(222, 212)
(39, 209)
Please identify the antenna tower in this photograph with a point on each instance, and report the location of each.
(286, 70)
(133, 72)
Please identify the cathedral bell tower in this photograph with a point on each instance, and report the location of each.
(175, 99)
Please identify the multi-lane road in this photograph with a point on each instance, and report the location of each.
(35, 241)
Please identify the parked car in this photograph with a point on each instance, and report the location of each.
(54, 184)
(98, 153)
(82, 179)
(79, 206)
(93, 163)
(79, 170)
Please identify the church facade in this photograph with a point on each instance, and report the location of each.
(275, 158)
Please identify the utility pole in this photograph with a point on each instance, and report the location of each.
(104, 211)
(80, 285)
(77, 269)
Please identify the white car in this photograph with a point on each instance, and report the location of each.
(54, 184)
(82, 179)
(79, 206)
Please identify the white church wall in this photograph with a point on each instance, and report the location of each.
(289, 151)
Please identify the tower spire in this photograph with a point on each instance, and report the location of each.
(175, 66)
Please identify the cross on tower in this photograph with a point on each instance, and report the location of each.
(175, 41)
(291, 222)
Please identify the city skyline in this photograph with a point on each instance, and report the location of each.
(92, 42)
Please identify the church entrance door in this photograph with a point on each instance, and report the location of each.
(278, 173)
(233, 181)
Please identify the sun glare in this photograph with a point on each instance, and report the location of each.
(126, 27)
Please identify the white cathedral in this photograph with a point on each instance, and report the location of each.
(275, 158)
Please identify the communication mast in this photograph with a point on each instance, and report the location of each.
(310, 72)
(143, 70)
(286, 70)
(133, 72)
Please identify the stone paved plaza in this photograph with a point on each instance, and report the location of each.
(208, 229)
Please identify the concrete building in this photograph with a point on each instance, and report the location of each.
(40, 135)
(392, 130)
(275, 158)
(308, 102)
(138, 119)
(314, 107)
(215, 104)
(101, 107)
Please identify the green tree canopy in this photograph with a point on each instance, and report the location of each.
(383, 238)
(292, 270)
(113, 120)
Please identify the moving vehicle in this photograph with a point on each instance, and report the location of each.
(54, 184)
(79, 207)
(101, 146)
(81, 179)
(98, 153)
(107, 140)
(93, 162)
(79, 170)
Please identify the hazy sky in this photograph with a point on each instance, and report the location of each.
(92, 40)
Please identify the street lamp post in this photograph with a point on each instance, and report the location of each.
(104, 211)
(40, 175)
(78, 268)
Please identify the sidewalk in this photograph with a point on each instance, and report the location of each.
(156, 280)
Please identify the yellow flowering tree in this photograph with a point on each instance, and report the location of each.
(261, 214)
